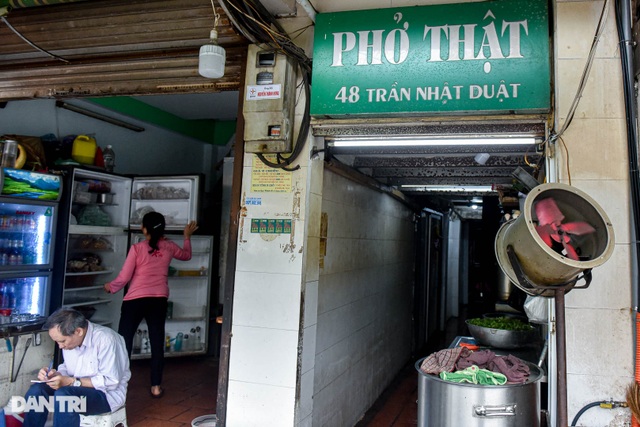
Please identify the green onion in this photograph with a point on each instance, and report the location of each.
(506, 323)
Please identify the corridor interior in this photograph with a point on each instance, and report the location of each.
(190, 385)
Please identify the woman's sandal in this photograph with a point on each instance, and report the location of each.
(156, 396)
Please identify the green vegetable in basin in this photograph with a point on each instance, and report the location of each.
(505, 323)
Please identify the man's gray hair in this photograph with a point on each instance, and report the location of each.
(67, 320)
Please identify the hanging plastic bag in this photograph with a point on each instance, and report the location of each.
(536, 309)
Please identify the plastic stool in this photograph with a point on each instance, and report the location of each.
(117, 418)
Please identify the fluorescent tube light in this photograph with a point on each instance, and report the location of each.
(98, 116)
(399, 142)
(451, 188)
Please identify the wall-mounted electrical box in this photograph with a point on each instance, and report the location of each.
(269, 101)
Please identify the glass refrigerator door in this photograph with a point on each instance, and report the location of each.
(26, 235)
(24, 301)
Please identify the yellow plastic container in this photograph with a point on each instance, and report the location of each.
(84, 149)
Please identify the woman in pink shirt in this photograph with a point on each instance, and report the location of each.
(146, 269)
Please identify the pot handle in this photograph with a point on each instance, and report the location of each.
(495, 411)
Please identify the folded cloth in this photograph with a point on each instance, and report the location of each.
(512, 367)
(474, 375)
(443, 360)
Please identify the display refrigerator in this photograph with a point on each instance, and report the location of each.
(98, 217)
(187, 324)
(29, 204)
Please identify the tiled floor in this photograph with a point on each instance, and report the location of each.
(190, 385)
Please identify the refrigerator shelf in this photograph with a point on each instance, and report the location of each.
(185, 318)
(170, 223)
(86, 288)
(92, 229)
(83, 203)
(89, 273)
(18, 231)
(189, 278)
(88, 302)
(138, 356)
(184, 200)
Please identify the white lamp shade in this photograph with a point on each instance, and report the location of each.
(211, 64)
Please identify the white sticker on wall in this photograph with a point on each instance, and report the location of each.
(255, 93)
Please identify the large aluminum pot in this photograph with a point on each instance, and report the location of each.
(447, 404)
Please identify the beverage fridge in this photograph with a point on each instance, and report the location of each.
(98, 215)
(28, 215)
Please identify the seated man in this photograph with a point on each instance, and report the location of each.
(95, 367)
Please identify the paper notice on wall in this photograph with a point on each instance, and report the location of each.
(265, 179)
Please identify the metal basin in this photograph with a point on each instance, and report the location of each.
(502, 338)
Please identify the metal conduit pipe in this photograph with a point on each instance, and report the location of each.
(308, 7)
(623, 22)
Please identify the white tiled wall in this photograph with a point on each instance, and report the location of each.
(364, 300)
(599, 319)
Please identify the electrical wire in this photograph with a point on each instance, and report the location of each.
(567, 159)
(585, 73)
(555, 135)
(216, 15)
(255, 23)
(32, 44)
(284, 162)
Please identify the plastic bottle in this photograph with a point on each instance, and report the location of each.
(9, 154)
(4, 298)
(109, 158)
(177, 346)
(11, 296)
(4, 252)
(137, 342)
(145, 343)
(198, 341)
(194, 341)
(186, 342)
(12, 252)
(19, 251)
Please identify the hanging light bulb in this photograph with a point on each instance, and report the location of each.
(212, 57)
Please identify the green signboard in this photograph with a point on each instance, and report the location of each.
(481, 57)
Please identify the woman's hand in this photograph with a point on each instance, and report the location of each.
(189, 229)
(107, 287)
